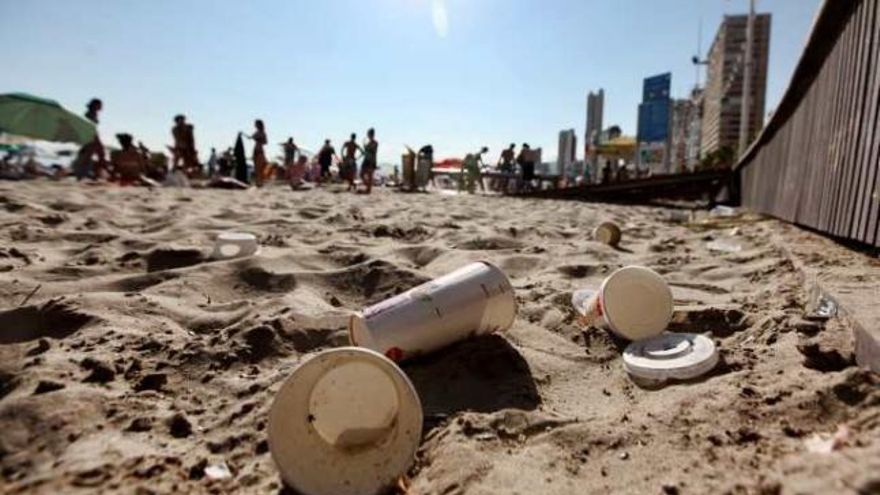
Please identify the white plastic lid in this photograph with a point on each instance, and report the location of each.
(637, 302)
(678, 356)
(236, 237)
(234, 245)
(347, 421)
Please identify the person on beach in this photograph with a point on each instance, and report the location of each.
(259, 154)
(506, 166)
(425, 167)
(212, 163)
(184, 149)
(368, 167)
(83, 165)
(526, 163)
(290, 151)
(606, 172)
(471, 171)
(128, 163)
(296, 172)
(348, 168)
(325, 160)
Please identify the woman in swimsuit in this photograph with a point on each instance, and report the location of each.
(368, 167)
(259, 156)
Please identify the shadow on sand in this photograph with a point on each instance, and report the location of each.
(483, 374)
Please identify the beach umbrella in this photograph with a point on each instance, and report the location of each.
(39, 118)
(241, 171)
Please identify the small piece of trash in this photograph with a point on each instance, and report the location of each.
(680, 216)
(823, 308)
(722, 211)
(724, 246)
(825, 444)
(218, 471)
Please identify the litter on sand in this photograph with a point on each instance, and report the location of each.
(346, 422)
(235, 245)
(476, 299)
(636, 303)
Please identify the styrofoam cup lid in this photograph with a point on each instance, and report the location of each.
(347, 421)
(236, 237)
(637, 302)
(234, 245)
(679, 356)
(579, 299)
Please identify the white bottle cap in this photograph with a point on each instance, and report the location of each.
(679, 356)
(347, 421)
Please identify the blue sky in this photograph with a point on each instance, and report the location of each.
(456, 73)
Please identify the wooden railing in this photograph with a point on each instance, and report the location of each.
(817, 162)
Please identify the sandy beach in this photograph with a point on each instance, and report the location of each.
(129, 362)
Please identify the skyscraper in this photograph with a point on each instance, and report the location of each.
(685, 132)
(595, 107)
(722, 99)
(567, 154)
(654, 122)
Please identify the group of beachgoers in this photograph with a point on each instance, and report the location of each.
(135, 164)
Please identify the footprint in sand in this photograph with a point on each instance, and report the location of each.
(166, 258)
(54, 319)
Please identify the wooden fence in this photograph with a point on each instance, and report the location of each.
(817, 161)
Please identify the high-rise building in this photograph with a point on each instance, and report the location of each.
(654, 123)
(566, 156)
(595, 108)
(685, 132)
(722, 102)
(694, 130)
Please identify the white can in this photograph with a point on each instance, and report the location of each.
(474, 300)
(634, 302)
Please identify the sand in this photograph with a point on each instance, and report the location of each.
(129, 363)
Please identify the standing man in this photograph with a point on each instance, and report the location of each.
(212, 163)
(368, 167)
(325, 160)
(471, 175)
(348, 170)
(506, 166)
(184, 149)
(290, 151)
(83, 165)
(527, 165)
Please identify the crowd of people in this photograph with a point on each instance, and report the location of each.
(132, 163)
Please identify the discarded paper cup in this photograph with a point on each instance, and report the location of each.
(634, 302)
(670, 356)
(346, 422)
(474, 300)
(234, 245)
(607, 233)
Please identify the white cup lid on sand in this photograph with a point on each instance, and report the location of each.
(347, 421)
(234, 245)
(678, 356)
(637, 302)
(634, 302)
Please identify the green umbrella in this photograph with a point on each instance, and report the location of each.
(26, 115)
